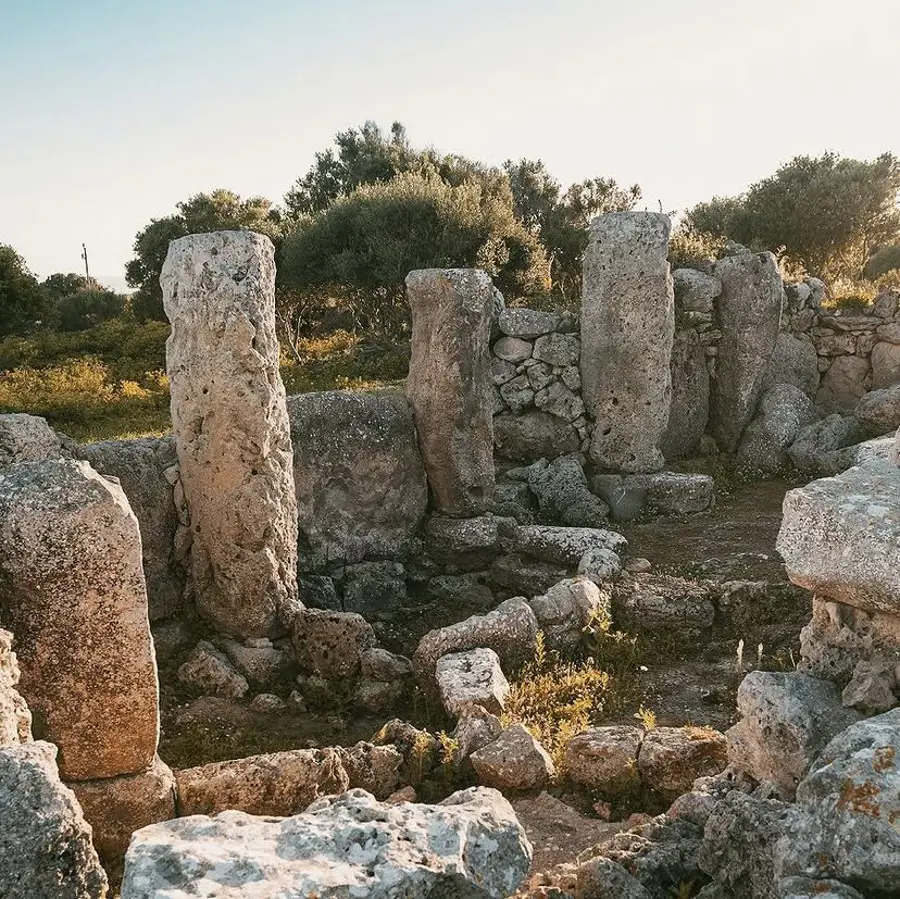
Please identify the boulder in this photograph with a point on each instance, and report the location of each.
(663, 493)
(627, 329)
(27, 438)
(475, 729)
(561, 545)
(695, 291)
(879, 410)
(518, 575)
(264, 667)
(527, 324)
(848, 805)
(232, 432)
(600, 565)
(663, 605)
(473, 677)
(374, 589)
(795, 362)
(563, 496)
(470, 846)
(839, 536)
(787, 720)
(689, 412)
(561, 402)
(606, 759)
(748, 313)
(15, 716)
(469, 591)
(534, 435)
(448, 385)
(331, 644)
(467, 544)
(358, 474)
(566, 609)
(512, 349)
(141, 468)
(375, 769)
(672, 758)
(275, 783)
(826, 447)
(844, 384)
(783, 412)
(885, 365)
(116, 807)
(45, 846)
(517, 394)
(74, 596)
(212, 673)
(381, 665)
(510, 630)
(514, 761)
(557, 349)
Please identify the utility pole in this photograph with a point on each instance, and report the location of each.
(84, 256)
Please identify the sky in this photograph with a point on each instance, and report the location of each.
(113, 110)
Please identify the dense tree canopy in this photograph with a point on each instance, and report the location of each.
(363, 246)
(823, 214)
(219, 211)
(22, 302)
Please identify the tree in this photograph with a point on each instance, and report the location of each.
(86, 308)
(882, 261)
(364, 245)
(22, 303)
(219, 211)
(823, 214)
(560, 218)
(59, 285)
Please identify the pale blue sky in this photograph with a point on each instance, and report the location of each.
(114, 111)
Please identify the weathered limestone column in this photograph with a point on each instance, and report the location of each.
(232, 432)
(748, 314)
(627, 328)
(72, 591)
(449, 385)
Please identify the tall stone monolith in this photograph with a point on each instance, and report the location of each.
(232, 432)
(72, 591)
(449, 385)
(748, 313)
(627, 329)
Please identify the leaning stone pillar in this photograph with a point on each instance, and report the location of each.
(627, 328)
(232, 432)
(449, 385)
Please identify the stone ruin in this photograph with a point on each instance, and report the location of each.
(298, 536)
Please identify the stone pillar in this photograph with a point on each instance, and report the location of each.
(748, 313)
(627, 328)
(72, 591)
(232, 432)
(449, 385)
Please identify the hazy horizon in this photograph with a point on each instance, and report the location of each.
(118, 114)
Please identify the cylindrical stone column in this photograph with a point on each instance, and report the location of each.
(627, 329)
(232, 432)
(449, 385)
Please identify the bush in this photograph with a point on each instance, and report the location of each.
(887, 259)
(86, 308)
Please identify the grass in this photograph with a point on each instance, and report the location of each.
(109, 382)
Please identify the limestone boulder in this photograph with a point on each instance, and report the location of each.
(510, 631)
(662, 493)
(534, 435)
(27, 438)
(839, 537)
(375, 769)
(512, 350)
(448, 385)
(15, 716)
(470, 846)
(232, 433)
(695, 291)
(141, 467)
(795, 362)
(561, 545)
(748, 313)
(116, 807)
(826, 447)
(600, 566)
(885, 365)
(689, 413)
(209, 671)
(74, 596)
(784, 410)
(375, 590)
(557, 349)
(473, 677)
(45, 846)
(566, 609)
(527, 324)
(514, 761)
(605, 759)
(264, 666)
(844, 384)
(331, 644)
(627, 329)
(275, 783)
(358, 474)
(522, 575)
(848, 807)
(563, 495)
(788, 718)
(467, 544)
(663, 605)
(879, 410)
(672, 758)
